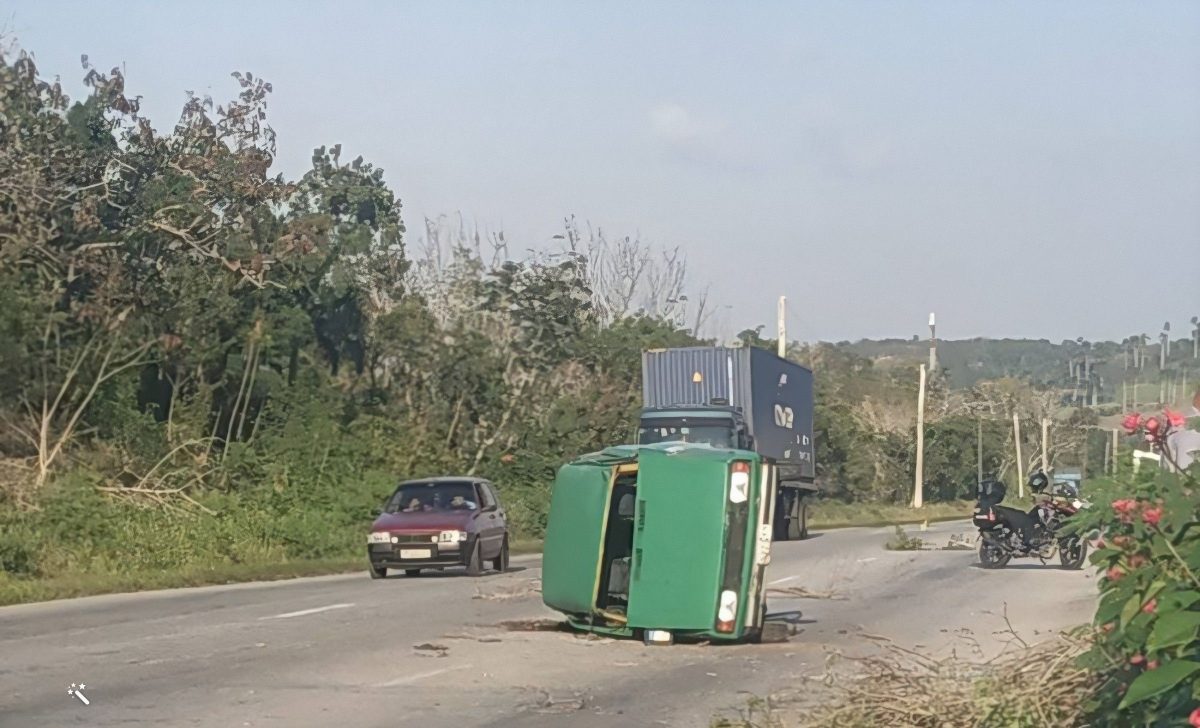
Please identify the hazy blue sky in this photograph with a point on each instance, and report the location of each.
(1012, 166)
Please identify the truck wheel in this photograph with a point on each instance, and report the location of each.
(803, 520)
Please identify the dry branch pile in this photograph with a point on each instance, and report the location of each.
(1032, 688)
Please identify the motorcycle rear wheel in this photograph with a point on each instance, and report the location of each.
(992, 556)
(1072, 552)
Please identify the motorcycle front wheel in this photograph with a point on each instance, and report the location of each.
(992, 556)
(1072, 552)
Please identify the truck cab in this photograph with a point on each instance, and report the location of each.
(718, 425)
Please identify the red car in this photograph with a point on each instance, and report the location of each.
(438, 522)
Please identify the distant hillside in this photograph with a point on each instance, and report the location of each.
(1046, 364)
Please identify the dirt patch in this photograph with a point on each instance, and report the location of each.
(800, 592)
(430, 649)
(534, 625)
(529, 589)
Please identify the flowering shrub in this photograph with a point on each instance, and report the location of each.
(1147, 640)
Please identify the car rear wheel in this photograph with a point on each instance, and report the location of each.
(500, 563)
(378, 572)
(475, 564)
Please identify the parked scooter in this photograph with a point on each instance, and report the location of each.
(1009, 533)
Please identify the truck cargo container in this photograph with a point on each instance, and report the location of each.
(737, 397)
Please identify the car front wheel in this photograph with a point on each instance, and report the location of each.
(378, 572)
(500, 563)
(475, 564)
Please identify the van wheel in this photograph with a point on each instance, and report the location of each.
(475, 565)
(500, 563)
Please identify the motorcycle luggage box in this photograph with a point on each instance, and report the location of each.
(982, 520)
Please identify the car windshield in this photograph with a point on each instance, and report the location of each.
(715, 435)
(427, 497)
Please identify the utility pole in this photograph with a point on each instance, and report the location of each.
(1045, 444)
(1107, 455)
(919, 478)
(1164, 345)
(932, 346)
(1020, 461)
(978, 451)
(781, 316)
(1196, 337)
(1116, 444)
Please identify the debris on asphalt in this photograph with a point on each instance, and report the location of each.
(800, 592)
(427, 647)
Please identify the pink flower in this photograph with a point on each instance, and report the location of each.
(1136, 660)
(1132, 422)
(1194, 718)
(1152, 665)
(1174, 419)
(1124, 505)
(1151, 516)
(1150, 606)
(1152, 425)
(1115, 573)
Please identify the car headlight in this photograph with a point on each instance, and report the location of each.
(452, 536)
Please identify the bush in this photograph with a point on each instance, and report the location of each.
(1147, 642)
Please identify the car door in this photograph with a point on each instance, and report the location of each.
(492, 523)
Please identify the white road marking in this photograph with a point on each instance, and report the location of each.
(302, 612)
(783, 580)
(863, 561)
(410, 679)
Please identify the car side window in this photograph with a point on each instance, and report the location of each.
(488, 498)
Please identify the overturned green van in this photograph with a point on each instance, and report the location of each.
(663, 542)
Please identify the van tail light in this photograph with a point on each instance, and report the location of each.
(727, 611)
(739, 482)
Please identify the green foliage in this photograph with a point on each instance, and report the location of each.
(1147, 643)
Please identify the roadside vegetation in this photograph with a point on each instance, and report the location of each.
(1136, 664)
(209, 372)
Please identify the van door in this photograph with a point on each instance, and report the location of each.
(678, 542)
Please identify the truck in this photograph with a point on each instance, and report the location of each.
(742, 398)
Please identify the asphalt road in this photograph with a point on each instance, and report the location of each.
(346, 651)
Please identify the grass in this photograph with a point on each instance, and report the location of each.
(14, 590)
(901, 541)
(18, 590)
(835, 514)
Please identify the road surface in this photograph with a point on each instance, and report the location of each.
(349, 652)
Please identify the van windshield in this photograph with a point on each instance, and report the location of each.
(426, 497)
(715, 433)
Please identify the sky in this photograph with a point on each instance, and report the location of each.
(1023, 169)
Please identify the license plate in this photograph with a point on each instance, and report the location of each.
(379, 537)
(416, 554)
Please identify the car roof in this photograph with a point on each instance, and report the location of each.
(445, 479)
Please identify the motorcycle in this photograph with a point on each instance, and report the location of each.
(1000, 527)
